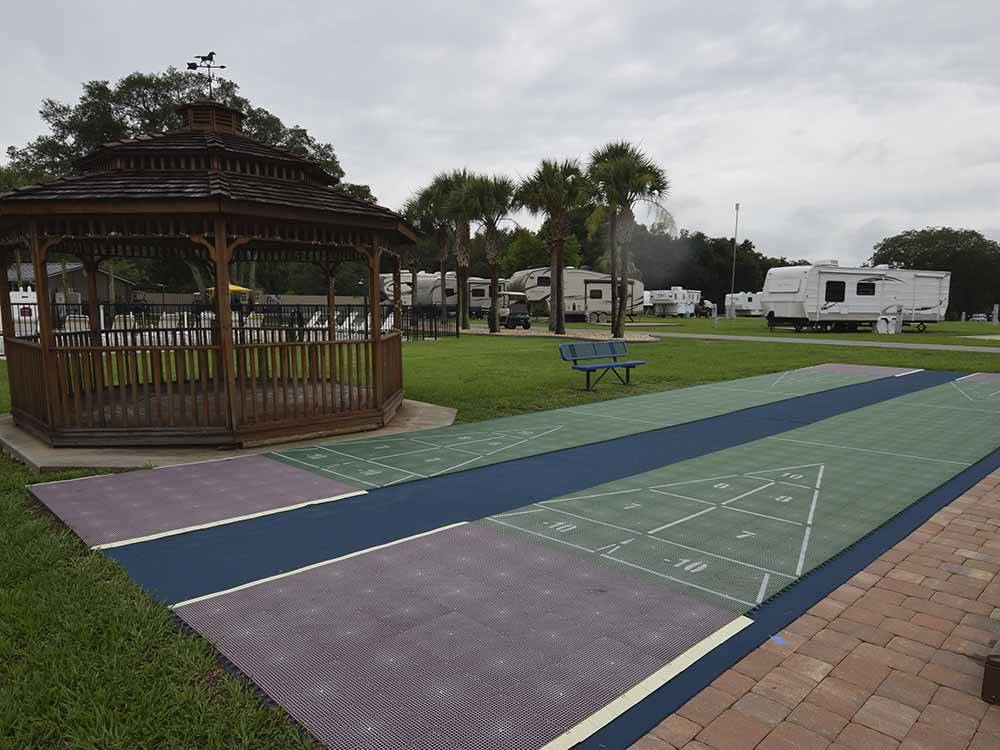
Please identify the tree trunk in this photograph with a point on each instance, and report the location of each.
(462, 277)
(613, 239)
(553, 286)
(625, 231)
(494, 299)
(560, 287)
(444, 284)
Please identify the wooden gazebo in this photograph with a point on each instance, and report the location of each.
(209, 194)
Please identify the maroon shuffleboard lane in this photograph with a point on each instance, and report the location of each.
(116, 507)
(465, 639)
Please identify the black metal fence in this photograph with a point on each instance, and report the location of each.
(145, 324)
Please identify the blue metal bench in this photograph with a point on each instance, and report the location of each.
(603, 350)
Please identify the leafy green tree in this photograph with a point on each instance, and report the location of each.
(491, 199)
(554, 190)
(622, 175)
(974, 262)
(525, 249)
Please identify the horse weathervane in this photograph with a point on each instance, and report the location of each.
(206, 62)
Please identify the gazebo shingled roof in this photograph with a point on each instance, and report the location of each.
(208, 192)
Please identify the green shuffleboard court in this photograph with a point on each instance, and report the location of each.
(737, 526)
(379, 462)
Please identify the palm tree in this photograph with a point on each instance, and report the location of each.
(555, 189)
(622, 175)
(489, 200)
(460, 212)
(427, 211)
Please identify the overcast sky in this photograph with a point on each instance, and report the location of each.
(834, 124)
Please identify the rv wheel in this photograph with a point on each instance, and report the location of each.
(595, 317)
(527, 324)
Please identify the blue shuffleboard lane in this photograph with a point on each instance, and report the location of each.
(182, 567)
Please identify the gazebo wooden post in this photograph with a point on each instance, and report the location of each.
(46, 333)
(375, 313)
(222, 253)
(397, 293)
(331, 299)
(6, 314)
(91, 265)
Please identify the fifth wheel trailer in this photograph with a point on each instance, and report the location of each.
(826, 296)
(587, 294)
(745, 304)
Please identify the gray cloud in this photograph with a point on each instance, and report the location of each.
(833, 123)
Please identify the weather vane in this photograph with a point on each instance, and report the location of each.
(206, 62)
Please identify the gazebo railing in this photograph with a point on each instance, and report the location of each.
(111, 386)
(278, 383)
(28, 397)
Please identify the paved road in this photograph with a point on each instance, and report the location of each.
(826, 341)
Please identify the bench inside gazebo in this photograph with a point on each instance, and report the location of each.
(212, 196)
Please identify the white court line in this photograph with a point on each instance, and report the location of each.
(780, 378)
(376, 463)
(224, 521)
(802, 552)
(763, 515)
(621, 419)
(695, 481)
(677, 580)
(575, 735)
(869, 450)
(498, 450)
(763, 587)
(640, 533)
(781, 468)
(725, 507)
(543, 536)
(970, 375)
(591, 520)
(746, 494)
(957, 388)
(759, 391)
(521, 512)
(317, 467)
(722, 557)
(812, 508)
(681, 520)
(303, 569)
(908, 372)
(682, 497)
(590, 497)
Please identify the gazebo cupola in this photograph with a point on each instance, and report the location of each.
(206, 115)
(210, 195)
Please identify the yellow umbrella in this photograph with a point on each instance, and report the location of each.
(232, 288)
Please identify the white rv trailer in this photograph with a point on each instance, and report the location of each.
(587, 294)
(406, 287)
(826, 296)
(675, 301)
(745, 304)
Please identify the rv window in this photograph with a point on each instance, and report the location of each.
(449, 292)
(866, 289)
(544, 281)
(597, 294)
(478, 292)
(835, 291)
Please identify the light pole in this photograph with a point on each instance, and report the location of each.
(731, 307)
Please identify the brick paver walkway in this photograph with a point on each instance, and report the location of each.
(891, 659)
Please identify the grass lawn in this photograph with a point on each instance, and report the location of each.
(948, 332)
(88, 661)
(487, 377)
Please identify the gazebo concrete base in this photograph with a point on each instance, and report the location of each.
(39, 457)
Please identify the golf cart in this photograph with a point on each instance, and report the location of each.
(513, 310)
